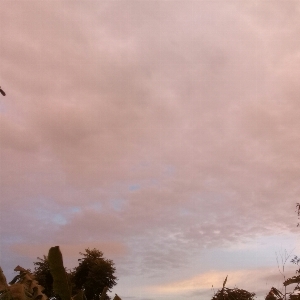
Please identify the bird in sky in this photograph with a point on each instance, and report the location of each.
(2, 92)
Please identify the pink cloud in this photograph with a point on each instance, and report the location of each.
(196, 103)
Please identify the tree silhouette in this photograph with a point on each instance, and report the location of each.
(93, 274)
(43, 276)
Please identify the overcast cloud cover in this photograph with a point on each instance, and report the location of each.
(164, 133)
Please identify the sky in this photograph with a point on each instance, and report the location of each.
(164, 133)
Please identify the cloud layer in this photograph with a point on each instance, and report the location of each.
(152, 129)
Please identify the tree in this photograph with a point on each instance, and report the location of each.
(93, 274)
(43, 276)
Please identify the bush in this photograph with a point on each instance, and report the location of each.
(233, 294)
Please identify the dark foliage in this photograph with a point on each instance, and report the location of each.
(43, 276)
(274, 294)
(93, 274)
(233, 294)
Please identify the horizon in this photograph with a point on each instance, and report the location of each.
(163, 133)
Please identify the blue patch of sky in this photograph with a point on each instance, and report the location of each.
(46, 213)
(117, 204)
(48, 217)
(59, 219)
(134, 187)
(75, 209)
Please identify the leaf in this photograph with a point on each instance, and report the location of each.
(79, 296)
(103, 294)
(20, 269)
(117, 297)
(276, 292)
(225, 281)
(17, 291)
(15, 279)
(3, 283)
(60, 281)
(295, 279)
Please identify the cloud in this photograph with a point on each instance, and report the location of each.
(166, 128)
